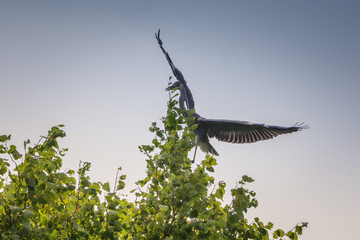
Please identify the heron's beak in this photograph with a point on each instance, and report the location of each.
(170, 88)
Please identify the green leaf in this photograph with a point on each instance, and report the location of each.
(210, 169)
(269, 226)
(3, 170)
(247, 179)
(194, 127)
(28, 214)
(26, 226)
(3, 166)
(4, 138)
(62, 176)
(298, 230)
(26, 143)
(176, 182)
(292, 235)
(279, 233)
(121, 185)
(84, 182)
(163, 208)
(200, 189)
(304, 224)
(79, 229)
(14, 152)
(31, 182)
(56, 132)
(106, 186)
(160, 218)
(3, 149)
(42, 176)
(219, 193)
(15, 209)
(191, 112)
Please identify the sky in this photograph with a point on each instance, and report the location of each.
(95, 67)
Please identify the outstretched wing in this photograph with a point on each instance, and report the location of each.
(176, 71)
(179, 76)
(244, 132)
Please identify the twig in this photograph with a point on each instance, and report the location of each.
(78, 195)
(116, 178)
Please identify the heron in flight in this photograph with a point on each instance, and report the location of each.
(230, 131)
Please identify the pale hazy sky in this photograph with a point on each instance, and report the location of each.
(95, 66)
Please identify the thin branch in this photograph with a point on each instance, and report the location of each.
(78, 195)
(116, 178)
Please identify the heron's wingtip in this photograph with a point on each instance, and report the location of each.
(157, 36)
(301, 126)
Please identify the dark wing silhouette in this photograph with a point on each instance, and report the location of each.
(179, 76)
(176, 71)
(243, 132)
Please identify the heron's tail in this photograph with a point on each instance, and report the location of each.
(205, 146)
(212, 150)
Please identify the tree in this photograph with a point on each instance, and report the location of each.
(39, 200)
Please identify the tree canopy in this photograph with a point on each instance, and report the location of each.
(176, 200)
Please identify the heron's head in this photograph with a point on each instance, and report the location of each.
(173, 86)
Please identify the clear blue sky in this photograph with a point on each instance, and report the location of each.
(95, 66)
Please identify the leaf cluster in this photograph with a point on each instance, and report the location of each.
(40, 201)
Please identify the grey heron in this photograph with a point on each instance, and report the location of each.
(230, 131)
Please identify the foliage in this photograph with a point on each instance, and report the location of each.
(39, 200)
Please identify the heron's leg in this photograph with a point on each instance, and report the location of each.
(194, 154)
